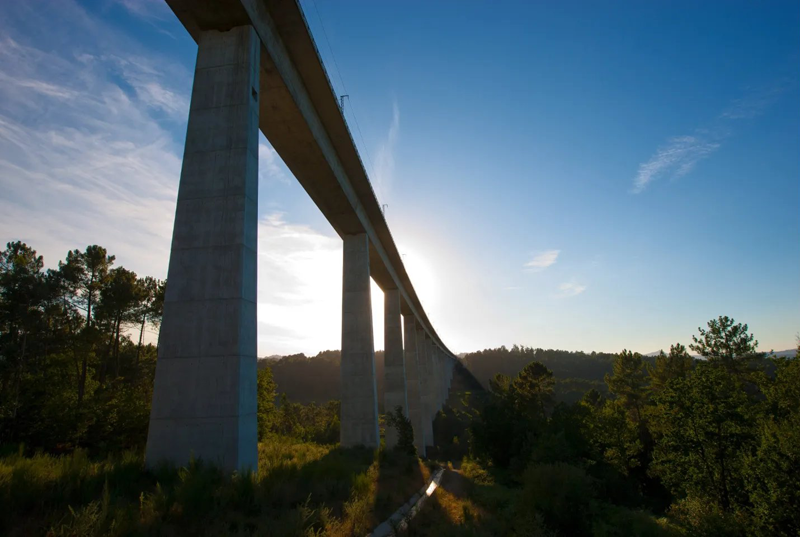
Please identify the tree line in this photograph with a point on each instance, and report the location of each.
(74, 368)
(711, 445)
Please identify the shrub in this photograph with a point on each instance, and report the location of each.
(701, 518)
(405, 432)
(562, 494)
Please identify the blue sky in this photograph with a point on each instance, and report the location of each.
(568, 175)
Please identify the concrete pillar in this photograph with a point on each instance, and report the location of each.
(442, 387)
(359, 419)
(394, 386)
(450, 366)
(412, 382)
(424, 387)
(436, 390)
(446, 381)
(430, 391)
(204, 398)
(439, 379)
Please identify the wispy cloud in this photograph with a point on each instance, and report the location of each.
(676, 158)
(542, 260)
(384, 159)
(269, 164)
(680, 154)
(82, 161)
(146, 9)
(90, 153)
(568, 289)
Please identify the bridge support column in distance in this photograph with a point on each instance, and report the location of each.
(424, 387)
(359, 418)
(450, 366)
(445, 379)
(412, 381)
(394, 386)
(204, 398)
(437, 383)
(440, 372)
(430, 390)
(442, 377)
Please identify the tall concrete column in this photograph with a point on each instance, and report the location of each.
(359, 419)
(431, 390)
(437, 375)
(394, 386)
(445, 379)
(441, 381)
(435, 390)
(450, 366)
(204, 398)
(424, 387)
(412, 381)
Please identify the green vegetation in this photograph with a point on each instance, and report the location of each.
(678, 447)
(75, 388)
(560, 444)
(74, 371)
(405, 431)
(301, 489)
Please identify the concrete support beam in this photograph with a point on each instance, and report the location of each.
(204, 399)
(359, 420)
(394, 391)
(412, 381)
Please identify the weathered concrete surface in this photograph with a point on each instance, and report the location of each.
(412, 381)
(359, 420)
(204, 400)
(394, 391)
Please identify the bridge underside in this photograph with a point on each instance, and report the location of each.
(258, 68)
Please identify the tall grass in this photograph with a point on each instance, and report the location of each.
(301, 489)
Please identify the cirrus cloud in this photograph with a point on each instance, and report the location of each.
(542, 260)
(571, 289)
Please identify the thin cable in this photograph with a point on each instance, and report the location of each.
(344, 88)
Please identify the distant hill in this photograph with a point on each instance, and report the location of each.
(789, 353)
(317, 379)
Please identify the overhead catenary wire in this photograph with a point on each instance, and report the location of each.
(344, 90)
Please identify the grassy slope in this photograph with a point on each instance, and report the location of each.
(301, 489)
(468, 501)
(473, 502)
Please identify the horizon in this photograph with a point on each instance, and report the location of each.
(649, 162)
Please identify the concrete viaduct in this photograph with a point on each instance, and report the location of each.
(258, 68)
